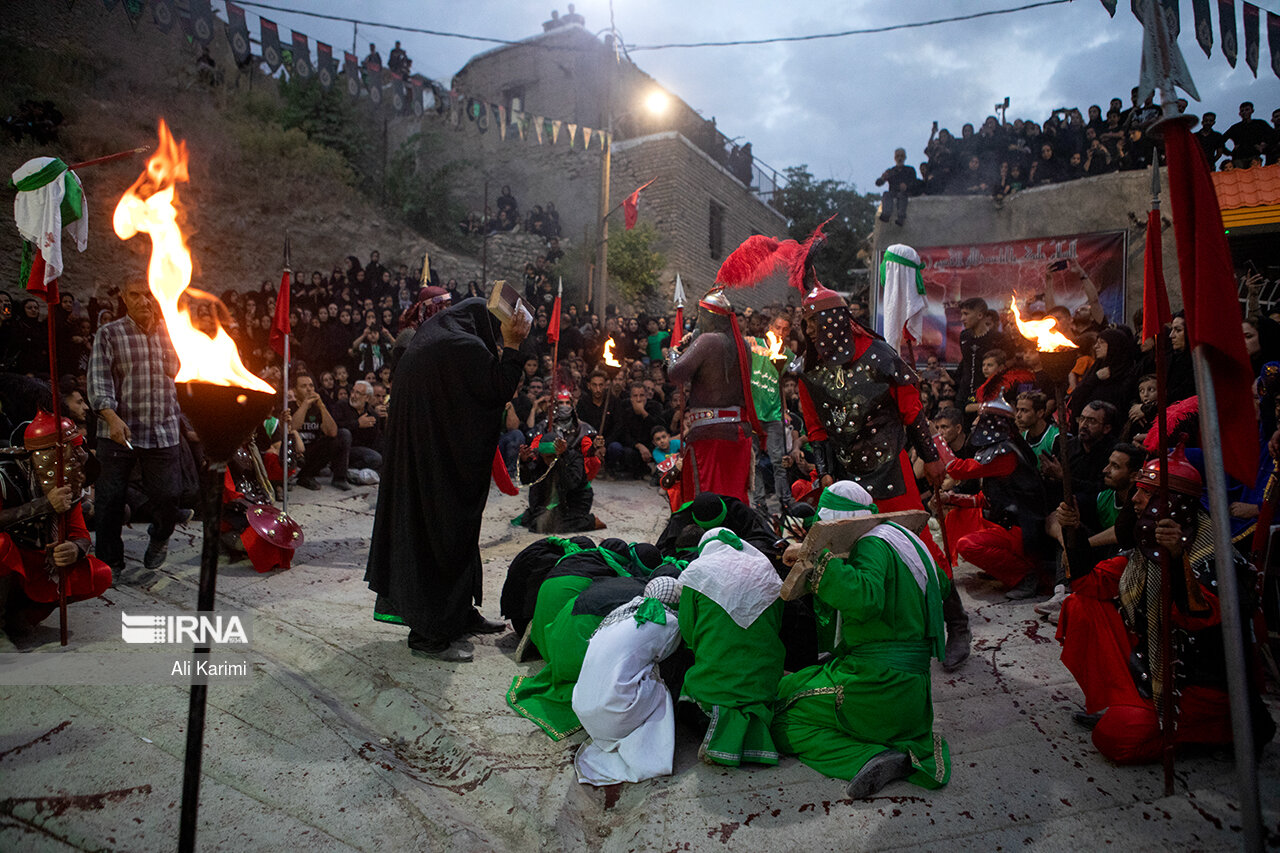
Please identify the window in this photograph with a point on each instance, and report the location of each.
(514, 98)
(715, 231)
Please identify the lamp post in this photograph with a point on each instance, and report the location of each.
(655, 103)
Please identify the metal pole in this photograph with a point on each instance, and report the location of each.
(284, 445)
(211, 498)
(484, 239)
(1229, 602)
(602, 290)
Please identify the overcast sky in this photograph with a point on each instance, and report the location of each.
(839, 105)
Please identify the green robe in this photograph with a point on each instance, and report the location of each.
(875, 695)
(547, 698)
(733, 680)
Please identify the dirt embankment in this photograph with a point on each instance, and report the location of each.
(251, 181)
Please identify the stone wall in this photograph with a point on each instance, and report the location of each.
(1115, 202)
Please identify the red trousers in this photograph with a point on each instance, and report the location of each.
(911, 500)
(723, 467)
(996, 550)
(88, 578)
(1096, 648)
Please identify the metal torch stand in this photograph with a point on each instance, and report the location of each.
(211, 507)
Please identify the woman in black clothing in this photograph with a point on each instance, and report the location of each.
(1112, 376)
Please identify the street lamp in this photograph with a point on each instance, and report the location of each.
(655, 102)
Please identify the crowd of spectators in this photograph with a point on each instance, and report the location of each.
(999, 158)
(544, 222)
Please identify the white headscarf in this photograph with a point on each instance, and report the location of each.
(733, 574)
(849, 490)
(903, 304)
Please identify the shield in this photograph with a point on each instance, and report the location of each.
(274, 526)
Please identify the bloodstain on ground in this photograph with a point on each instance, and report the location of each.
(725, 831)
(1032, 630)
(58, 805)
(612, 793)
(44, 738)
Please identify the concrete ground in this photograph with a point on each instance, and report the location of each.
(343, 741)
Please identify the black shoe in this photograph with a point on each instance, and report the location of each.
(1026, 588)
(425, 646)
(481, 625)
(900, 222)
(1080, 718)
(888, 766)
(309, 483)
(884, 217)
(156, 554)
(341, 484)
(957, 649)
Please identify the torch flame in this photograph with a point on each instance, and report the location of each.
(608, 354)
(149, 206)
(1044, 333)
(775, 345)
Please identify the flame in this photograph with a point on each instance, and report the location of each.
(775, 345)
(149, 206)
(1044, 333)
(608, 354)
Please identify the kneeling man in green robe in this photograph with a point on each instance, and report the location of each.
(867, 714)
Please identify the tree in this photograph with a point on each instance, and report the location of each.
(635, 264)
(422, 193)
(806, 202)
(328, 117)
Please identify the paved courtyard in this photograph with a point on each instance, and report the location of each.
(343, 741)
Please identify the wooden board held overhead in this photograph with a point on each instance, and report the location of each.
(838, 537)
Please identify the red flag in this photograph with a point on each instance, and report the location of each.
(280, 322)
(36, 283)
(629, 205)
(501, 476)
(1209, 297)
(1155, 296)
(678, 332)
(553, 328)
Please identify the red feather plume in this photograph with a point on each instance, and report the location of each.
(760, 257)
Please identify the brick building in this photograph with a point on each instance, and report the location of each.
(709, 194)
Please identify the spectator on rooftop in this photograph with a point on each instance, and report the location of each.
(1250, 138)
(899, 182)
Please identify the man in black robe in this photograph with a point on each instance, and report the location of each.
(456, 376)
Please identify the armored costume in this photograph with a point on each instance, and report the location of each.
(1110, 630)
(29, 522)
(862, 403)
(720, 414)
(251, 523)
(1004, 539)
(560, 494)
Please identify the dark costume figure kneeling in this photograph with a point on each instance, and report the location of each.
(559, 465)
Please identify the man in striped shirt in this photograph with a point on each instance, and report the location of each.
(131, 372)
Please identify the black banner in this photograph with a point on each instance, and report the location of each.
(1273, 41)
(301, 56)
(1251, 24)
(1227, 26)
(270, 43)
(351, 70)
(238, 34)
(1204, 25)
(201, 21)
(326, 69)
(162, 14)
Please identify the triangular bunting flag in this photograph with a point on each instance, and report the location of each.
(555, 130)
(133, 8)
(520, 120)
(1204, 25)
(1110, 6)
(1273, 41)
(537, 128)
(573, 132)
(586, 137)
(1252, 20)
(502, 122)
(1227, 27)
